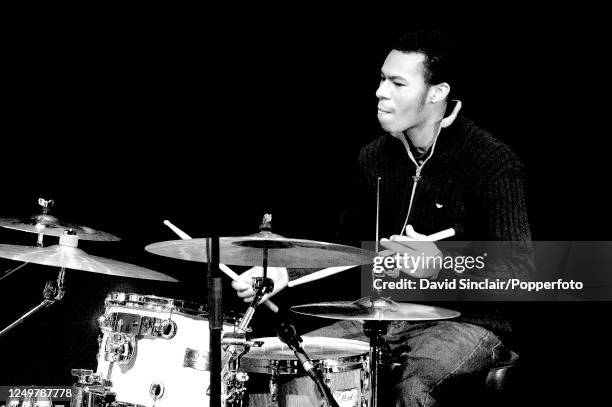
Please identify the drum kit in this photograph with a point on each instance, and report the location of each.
(163, 352)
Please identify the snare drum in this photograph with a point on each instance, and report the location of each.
(275, 375)
(154, 350)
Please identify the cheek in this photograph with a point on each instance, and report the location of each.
(407, 103)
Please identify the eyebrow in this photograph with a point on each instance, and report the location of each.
(394, 77)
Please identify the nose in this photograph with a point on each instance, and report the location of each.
(383, 90)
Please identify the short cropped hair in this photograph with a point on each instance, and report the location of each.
(439, 64)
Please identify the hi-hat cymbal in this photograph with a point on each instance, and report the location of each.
(77, 259)
(282, 251)
(46, 224)
(379, 310)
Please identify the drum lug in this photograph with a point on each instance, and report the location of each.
(365, 376)
(91, 389)
(119, 348)
(327, 375)
(234, 388)
(274, 386)
(138, 325)
(365, 383)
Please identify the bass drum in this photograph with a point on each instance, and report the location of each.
(147, 350)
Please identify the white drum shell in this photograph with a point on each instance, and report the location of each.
(160, 361)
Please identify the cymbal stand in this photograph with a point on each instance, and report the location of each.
(53, 291)
(11, 271)
(46, 206)
(375, 330)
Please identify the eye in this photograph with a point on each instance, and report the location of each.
(398, 84)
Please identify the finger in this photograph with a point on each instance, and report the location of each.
(400, 238)
(385, 253)
(240, 285)
(256, 271)
(413, 233)
(245, 294)
(397, 247)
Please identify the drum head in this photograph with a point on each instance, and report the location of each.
(316, 347)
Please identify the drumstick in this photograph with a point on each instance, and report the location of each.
(443, 234)
(176, 230)
(317, 275)
(230, 273)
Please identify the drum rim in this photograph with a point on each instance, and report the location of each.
(291, 366)
(154, 303)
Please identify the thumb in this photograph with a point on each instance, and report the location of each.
(410, 232)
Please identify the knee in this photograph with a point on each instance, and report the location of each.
(413, 391)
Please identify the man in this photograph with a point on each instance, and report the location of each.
(438, 170)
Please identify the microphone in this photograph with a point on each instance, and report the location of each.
(288, 335)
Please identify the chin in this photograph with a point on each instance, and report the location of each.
(389, 128)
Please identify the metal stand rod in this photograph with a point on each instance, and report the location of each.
(9, 272)
(43, 304)
(260, 290)
(215, 319)
(375, 330)
(49, 291)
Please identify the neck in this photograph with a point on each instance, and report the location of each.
(424, 135)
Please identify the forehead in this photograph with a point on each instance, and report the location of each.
(406, 65)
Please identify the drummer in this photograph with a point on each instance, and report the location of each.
(438, 170)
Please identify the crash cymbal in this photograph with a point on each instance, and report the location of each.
(381, 310)
(49, 225)
(282, 251)
(74, 258)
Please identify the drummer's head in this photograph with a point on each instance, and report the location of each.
(415, 81)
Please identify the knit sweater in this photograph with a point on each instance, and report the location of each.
(472, 182)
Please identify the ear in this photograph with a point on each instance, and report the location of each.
(439, 92)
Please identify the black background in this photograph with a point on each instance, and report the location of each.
(127, 120)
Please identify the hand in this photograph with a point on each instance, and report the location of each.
(424, 257)
(244, 287)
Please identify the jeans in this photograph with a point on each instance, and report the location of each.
(430, 360)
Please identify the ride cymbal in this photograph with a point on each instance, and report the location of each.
(378, 310)
(282, 251)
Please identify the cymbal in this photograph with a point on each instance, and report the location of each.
(49, 225)
(381, 310)
(282, 251)
(77, 259)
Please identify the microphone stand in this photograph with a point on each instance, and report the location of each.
(289, 336)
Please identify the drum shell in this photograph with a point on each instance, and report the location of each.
(157, 361)
(345, 375)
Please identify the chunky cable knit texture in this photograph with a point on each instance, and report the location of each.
(473, 183)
